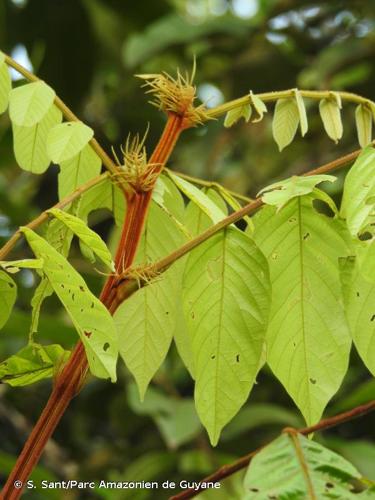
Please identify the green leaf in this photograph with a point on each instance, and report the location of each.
(42, 291)
(196, 222)
(13, 266)
(147, 320)
(28, 104)
(30, 143)
(259, 107)
(279, 193)
(301, 112)
(5, 84)
(89, 316)
(85, 234)
(358, 201)
(285, 122)
(80, 169)
(331, 116)
(307, 338)
(8, 294)
(226, 300)
(31, 364)
(359, 295)
(176, 419)
(234, 115)
(363, 121)
(293, 466)
(66, 140)
(198, 197)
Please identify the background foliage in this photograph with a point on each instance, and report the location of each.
(88, 51)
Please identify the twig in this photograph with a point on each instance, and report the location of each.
(241, 463)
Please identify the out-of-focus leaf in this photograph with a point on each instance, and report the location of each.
(8, 294)
(360, 453)
(234, 115)
(31, 364)
(5, 84)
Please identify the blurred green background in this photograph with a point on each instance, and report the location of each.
(89, 50)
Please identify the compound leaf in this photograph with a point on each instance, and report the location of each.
(226, 300)
(295, 467)
(80, 169)
(5, 84)
(331, 117)
(358, 201)
(31, 364)
(308, 342)
(30, 143)
(8, 294)
(66, 140)
(234, 115)
(89, 316)
(363, 121)
(28, 104)
(147, 320)
(285, 122)
(85, 234)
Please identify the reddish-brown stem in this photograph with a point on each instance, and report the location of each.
(241, 463)
(71, 378)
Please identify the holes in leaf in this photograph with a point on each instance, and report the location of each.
(357, 294)
(213, 356)
(92, 305)
(305, 236)
(11, 285)
(106, 347)
(167, 312)
(255, 490)
(313, 381)
(238, 358)
(330, 485)
(372, 317)
(292, 219)
(81, 288)
(87, 334)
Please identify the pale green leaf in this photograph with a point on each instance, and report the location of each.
(301, 111)
(198, 197)
(234, 115)
(196, 222)
(30, 143)
(359, 295)
(259, 107)
(308, 342)
(8, 294)
(42, 291)
(176, 419)
(13, 266)
(147, 320)
(285, 122)
(331, 117)
(279, 193)
(5, 84)
(295, 467)
(66, 140)
(363, 121)
(358, 201)
(85, 234)
(31, 364)
(29, 103)
(226, 297)
(89, 316)
(80, 169)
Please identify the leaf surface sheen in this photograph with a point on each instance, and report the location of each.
(308, 343)
(29, 103)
